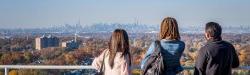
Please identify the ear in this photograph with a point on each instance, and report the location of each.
(207, 36)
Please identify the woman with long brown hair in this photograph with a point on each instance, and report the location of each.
(116, 60)
(171, 47)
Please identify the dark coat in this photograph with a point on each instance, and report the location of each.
(217, 57)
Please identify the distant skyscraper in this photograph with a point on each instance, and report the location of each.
(46, 41)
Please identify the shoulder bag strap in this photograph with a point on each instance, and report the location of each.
(102, 66)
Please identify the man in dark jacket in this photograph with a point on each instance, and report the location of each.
(217, 57)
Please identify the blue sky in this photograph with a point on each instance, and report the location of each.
(44, 13)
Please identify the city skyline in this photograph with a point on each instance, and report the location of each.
(35, 14)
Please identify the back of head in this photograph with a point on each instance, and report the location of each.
(214, 30)
(169, 29)
(119, 42)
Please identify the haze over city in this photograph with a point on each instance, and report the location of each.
(45, 13)
(52, 36)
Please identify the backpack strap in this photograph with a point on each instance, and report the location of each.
(157, 45)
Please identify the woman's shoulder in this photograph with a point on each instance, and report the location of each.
(172, 41)
(106, 50)
(105, 53)
(167, 42)
(181, 42)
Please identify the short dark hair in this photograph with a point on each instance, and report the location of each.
(213, 29)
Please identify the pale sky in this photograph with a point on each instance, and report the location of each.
(44, 13)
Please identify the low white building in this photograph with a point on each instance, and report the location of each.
(69, 45)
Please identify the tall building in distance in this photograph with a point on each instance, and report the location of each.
(46, 41)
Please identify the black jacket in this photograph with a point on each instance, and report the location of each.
(217, 57)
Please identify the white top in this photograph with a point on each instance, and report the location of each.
(120, 67)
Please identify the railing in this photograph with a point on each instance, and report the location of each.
(7, 67)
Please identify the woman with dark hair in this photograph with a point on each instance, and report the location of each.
(116, 60)
(171, 47)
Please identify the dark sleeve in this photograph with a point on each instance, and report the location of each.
(201, 62)
(235, 62)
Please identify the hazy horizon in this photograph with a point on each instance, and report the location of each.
(44, 13)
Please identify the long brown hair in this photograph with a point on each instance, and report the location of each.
(119, 42)
(169, 29)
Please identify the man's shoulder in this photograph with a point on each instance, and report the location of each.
(228, 43)
(211, 46)
(222, 42)
(204, 48)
